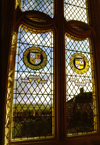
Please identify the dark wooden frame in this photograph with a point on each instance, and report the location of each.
(11, 19)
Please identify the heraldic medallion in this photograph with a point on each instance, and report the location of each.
(35, 58)
(79, 63)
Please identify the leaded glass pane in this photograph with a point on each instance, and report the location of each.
(45, 6)
(76, 10)
(80, 87)
(33, 110)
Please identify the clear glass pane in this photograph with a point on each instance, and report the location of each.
(45, 6)
(76, 10)
(33, 110)
(80, 87)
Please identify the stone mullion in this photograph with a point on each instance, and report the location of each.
(60, 35)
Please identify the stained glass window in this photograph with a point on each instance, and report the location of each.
(36, 103)
(76, 10)
(80, 87)
(33, 115)
(45, 6)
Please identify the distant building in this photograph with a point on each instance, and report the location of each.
(80, 113)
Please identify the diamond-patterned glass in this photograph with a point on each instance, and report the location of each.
(76, 10)
(33, 110)
(45, 6)
(80, 88)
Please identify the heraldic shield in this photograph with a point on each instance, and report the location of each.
(35, 58)
(79, 63)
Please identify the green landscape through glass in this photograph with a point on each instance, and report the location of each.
(33, 88)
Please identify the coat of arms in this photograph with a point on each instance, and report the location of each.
(79, 63)
(35, 58)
